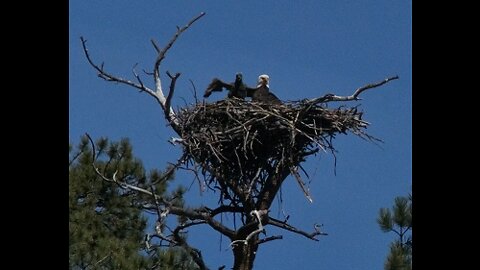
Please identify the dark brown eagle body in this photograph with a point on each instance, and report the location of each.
(262, 92)
(236, 89)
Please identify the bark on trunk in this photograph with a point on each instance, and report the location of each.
(244, 255)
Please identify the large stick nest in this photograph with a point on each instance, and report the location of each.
(239, 143)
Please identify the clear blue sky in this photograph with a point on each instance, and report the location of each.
(308, 48)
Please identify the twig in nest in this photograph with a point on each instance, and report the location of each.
(295, 173)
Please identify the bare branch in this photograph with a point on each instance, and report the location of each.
(74, 158)
(373, 85)
(155, 45)
(198, 214)
(158, 92)
(161, 53)
(163, 238)
(170, 92)
(285, 226)
(94, 158)
(317, 229)
(226, 209)
(354, 96)
(169, 114)
(148, 73)
(108, 77)
(194, 253)
(157, 205)
(169, 171)
(194, 91)
(190, 224)
(138, 77)
(295, 173)
(270, 238)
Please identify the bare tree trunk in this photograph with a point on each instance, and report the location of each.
(244, 254)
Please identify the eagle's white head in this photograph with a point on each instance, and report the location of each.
(263, 79)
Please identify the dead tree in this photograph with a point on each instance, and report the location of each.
(244, 150)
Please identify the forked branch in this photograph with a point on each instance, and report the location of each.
(169, 113)
(165, 102)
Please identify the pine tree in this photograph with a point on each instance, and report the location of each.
(106, 224)
(399, 221)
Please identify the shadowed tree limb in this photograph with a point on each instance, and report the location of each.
(197, 214)
(226, 209)
(285, 226)
(270, 238)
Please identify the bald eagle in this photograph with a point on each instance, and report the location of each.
(236, 89)
(262, 92)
